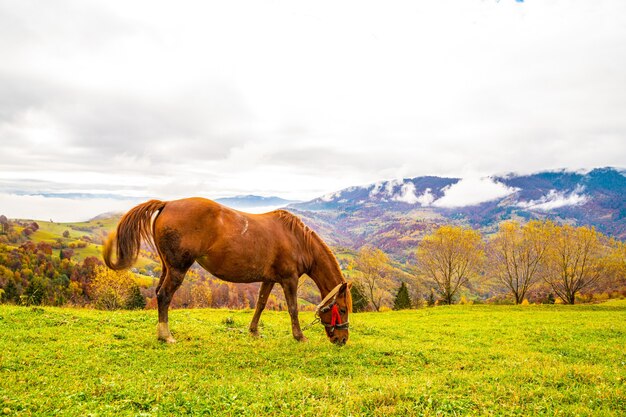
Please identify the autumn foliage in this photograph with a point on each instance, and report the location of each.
(450, 257)
(538, 261)
(517, 254)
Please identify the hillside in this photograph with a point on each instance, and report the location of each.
(394, 215)
(84, 239)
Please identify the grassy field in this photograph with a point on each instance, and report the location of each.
(459, 360)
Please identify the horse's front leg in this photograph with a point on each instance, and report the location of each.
(290, 287)
(264, 293)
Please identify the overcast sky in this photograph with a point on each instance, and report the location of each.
(148, 99)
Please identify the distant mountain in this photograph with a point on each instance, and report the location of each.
(253, 201)
(394, 215)
(107, 215)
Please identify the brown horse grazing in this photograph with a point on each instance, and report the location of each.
(270, 248)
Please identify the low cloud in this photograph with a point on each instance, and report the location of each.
(38, 207)
(472, 191)
(377, 187)
(555, 199)
(391, 186)
(330, 196)
(407, 194)
(427, 198)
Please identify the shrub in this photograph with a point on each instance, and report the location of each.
(359, 300)
(135, 300)
(465, 300)
(431, 301)
(113, 290)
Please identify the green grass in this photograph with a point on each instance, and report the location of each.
(444, 361)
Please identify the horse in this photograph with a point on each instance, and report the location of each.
(238, 247)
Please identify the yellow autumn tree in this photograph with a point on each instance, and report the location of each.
(450, 257)
(615, 264)
(374, 277)
(516, 254)
(112, 290)
(201, 294)
(576, 260)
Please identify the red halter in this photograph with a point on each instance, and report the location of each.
(336, 317)
(329, 304)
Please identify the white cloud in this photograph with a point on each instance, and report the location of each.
(330, 196)
(377, 187)
(203, 99)
(391, 185)
(427, 198)
(556, 199)
(407, 194)
(472, 191)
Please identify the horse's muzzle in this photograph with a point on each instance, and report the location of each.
(339, 341)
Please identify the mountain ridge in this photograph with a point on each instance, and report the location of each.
(395, 214)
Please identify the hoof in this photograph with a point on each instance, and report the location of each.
(167, 339)
(302, 339)
(163, 333)
(254, 333)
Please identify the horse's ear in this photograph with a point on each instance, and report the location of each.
(345, 287)
(349, 296)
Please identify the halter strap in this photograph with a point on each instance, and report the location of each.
(331, 295)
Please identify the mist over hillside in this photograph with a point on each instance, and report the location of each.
(395, 214)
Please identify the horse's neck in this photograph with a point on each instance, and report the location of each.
(325, 271)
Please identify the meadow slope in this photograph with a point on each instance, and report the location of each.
(458, 360)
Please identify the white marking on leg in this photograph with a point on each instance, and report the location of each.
(163, 333)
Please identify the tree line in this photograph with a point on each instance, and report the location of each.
(540, 258)
(538, 262)
(37, 274)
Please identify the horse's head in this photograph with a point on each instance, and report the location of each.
(333, 313)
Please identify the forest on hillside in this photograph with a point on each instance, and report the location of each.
(537, 262)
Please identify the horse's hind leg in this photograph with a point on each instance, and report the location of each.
(173, 279)
(264, 293)
(163, 274)
(290, 287)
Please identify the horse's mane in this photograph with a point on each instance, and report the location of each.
(309, 237)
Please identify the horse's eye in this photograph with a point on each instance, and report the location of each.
(342, 310)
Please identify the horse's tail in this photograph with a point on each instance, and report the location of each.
(135, 226)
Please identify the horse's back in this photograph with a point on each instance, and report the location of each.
(195, 220)
(230, 244)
